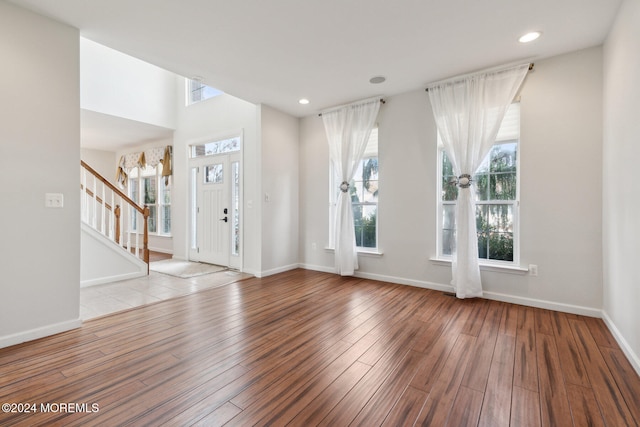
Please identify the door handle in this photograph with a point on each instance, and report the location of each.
(225, 219)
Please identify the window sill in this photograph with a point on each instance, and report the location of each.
(501, 268)
(362, 251)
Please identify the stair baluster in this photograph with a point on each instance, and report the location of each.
(110, 224)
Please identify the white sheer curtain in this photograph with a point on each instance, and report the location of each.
(468, 113)
(348, 129)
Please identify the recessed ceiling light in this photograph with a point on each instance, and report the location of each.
(377, 80)
(529, 37)
(303, 101)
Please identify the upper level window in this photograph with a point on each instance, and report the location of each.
(198, 91)
(147, 187)
(497, 197)
(363, 190)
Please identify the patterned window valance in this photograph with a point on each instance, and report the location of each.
(150, 157)
(154, 156)
(130, 161)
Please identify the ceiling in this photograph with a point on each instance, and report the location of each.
(278, 51)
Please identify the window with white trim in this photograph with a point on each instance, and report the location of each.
(147, 187)
(363, 190)
(497, 197)
(197, 91)
(211, 148)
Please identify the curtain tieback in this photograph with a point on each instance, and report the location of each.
(464, 180)
(344, 186)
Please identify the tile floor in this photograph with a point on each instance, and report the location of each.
(96, 301)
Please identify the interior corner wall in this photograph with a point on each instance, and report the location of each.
(621, 201)
(279, 182)
(217, 117)
(39, 154)
(561, 144)
(561, 183)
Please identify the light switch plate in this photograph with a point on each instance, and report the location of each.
(54, 200)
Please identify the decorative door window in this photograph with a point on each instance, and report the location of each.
(213, 174)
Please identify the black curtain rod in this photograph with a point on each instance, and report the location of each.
(530, 68)
(382, 101)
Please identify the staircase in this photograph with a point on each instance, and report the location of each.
(115, 236)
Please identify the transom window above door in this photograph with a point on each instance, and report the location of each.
(211, 148)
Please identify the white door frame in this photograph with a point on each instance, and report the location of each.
(234, 201)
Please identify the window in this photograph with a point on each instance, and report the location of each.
(235, 207)
(222, 146)
(147, 187)
(497, 196)
(198, 91)
(363, 190)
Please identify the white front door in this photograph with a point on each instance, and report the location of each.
(215, 209)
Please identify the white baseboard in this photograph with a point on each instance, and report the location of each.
(319, 268)
(548, 305)
(111, 279)
(37, 333)
(530, 302)
(383, 278)
(402, 281)
(253, 273)
(624, 345)
(273, 271)
(161, 250)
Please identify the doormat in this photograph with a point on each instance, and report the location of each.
(184, 269)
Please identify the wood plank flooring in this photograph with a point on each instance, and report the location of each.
(305, 348)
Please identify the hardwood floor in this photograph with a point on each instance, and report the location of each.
(304, 348)
(158, 256)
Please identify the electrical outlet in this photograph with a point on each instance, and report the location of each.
(533, 270)
(54, 200)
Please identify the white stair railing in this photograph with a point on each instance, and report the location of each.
(102, 204)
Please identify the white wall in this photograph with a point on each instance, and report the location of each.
(103, 162)
(561, 133)
(39, 153)
(103, 261)
(621, 195)
(560, 182)
(214, 118)
(406, 225)
(269, 165)
(123, 86)
(279, 153)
